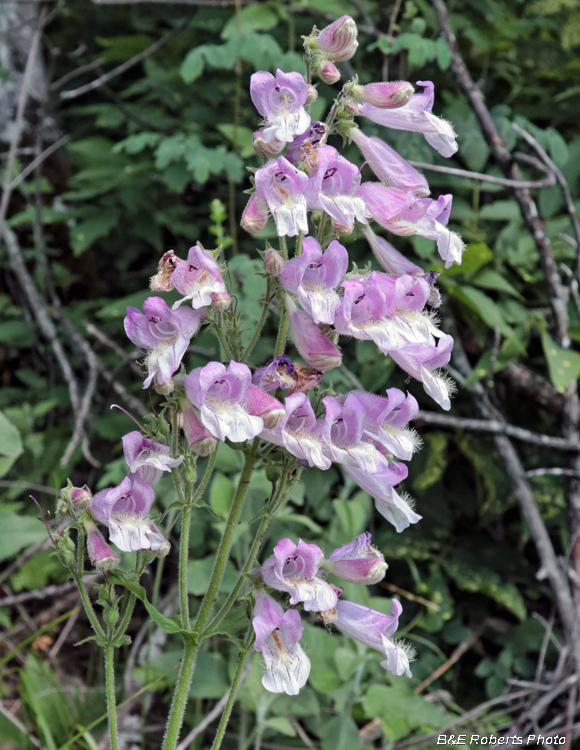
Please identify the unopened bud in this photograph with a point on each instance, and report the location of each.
(161, 282)
(358, 562)
(255, 216)
(271, 148)
(273, 262)
(200, 439)
(338, 40)
(261, 404)
(342, 230)
(220, 300)
(101, 555)
(81, 498)
(312, 95)
(328, 72)
(165, 389)
(385, 95)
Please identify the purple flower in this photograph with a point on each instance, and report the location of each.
(334, 188)
(200, 439)
(102, 557)
(293, 568)
(198, 278)
(358, 562)
(416, 116)
(277, 634)
(387, 501)
(255, 216)
(328, 72)
(364, 624)
(314, 277)
(398, 657)
(164, 333)
(388, 166)
(124, 509)
(226, 409)
(385, 204)
(273, 262)
(300, 433)
(280, 101)
(339, 40)
(315, 348)
(278, 374)
(385, 421)
(260, 404)
(422, 362)
(342, 431)
(391, 260)
(147, 459)
(282, 186)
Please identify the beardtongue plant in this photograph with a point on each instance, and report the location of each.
(283, 414)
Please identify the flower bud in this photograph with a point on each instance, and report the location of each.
(220, 300)
(260, 404)
(200, 439)
(342, 230)
(385, 95)
(328, 72)
(315, 348)
(81, 498)
(165, 389)
(338, 40)
(273, 262)
(101, 555)
(271, 148)
(312, 95)
(255, 216)
(358, 562)
(161, 282)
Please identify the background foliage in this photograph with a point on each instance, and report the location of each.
(156, 159)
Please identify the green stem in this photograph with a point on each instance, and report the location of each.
(263, 316)
(222, 339)
(282, 334)
(227, 538)
(183, 560)
(111, 701)
(180, 695)
(322, 227)
(299, 243)
(78, 576)
(277, 501)
(124, 623)
(205, 480)
(233, 692)
(283, 247)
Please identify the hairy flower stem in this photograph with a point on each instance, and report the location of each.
(78, 576)
(111, 700)
(263, 317)
(222, 339)
(299, 244)
(282, 335)
(233, 691)
(183, 560)
(180, 694)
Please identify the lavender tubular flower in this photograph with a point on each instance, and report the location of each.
(328, 72)
(335, 188)
(255, 215)
(358, 562)
(147, 459)
(314, 347)
(388, 166)
(278, 374)
(102, 557)
(422, 362)
(200, 439)
(385, 421)
(386, 94)
(282, 187)
(164, 333)
(416, 116)
(220, 396)
(314, 277)
(280, 100)
(198, 278)
(391, 260)
(277, 634)
(293, 568)
(124, 509)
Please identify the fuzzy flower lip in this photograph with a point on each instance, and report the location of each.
(277, 638)
(198, 278)
(314, 277)
(124, 509)
(292, 569)
(385, 421)
(416, 115)
(219, 394)
(147, 459)
(367, 625)
(165, 333)
(280, 100)
(281, 185)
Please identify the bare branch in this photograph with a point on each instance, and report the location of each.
(38, 161)
(546, 182)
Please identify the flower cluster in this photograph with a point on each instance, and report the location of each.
(299, 570)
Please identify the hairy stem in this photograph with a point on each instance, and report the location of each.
(111, 700)
(180, 695)
(263, 317)
(78, 576)
(183, 560)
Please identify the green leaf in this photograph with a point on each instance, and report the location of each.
(244, 138)
(400, 710)
(199, 573)
(485, 581)
(232, 626)
(122, 48)
(221, 492)
(500, 211)
(563, 364)
(280, 724)
(10, 444)
(436, 449)
(167, 624)
(137, 142)
(84, 234)
(118, 309)
(489, 279)
(481, 304)
(443, 54)
(476, 255)
(256, 17)
(341, 733)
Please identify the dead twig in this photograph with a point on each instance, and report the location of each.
(458, 652)
(546, 182)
